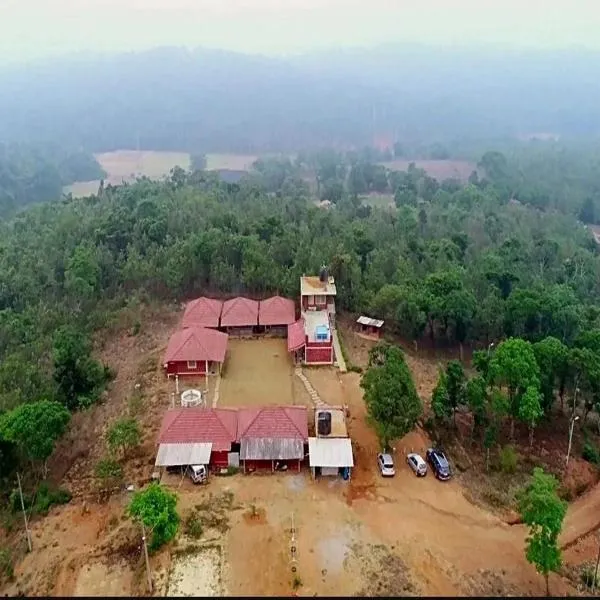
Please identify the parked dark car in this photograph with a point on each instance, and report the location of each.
(439, 464)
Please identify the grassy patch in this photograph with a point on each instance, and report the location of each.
(40, 502)
(193, 526)
(213, 513)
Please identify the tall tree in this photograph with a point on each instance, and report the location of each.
(393, 405)
(543, 511)
(514, 367)
(530, 410)
(156, 508)
(551, 356)
(34, 428)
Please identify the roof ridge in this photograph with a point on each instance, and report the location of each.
(258, 412)
(185, 334)
(285, 409)
(216, 411)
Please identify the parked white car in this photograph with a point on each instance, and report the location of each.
(417, 464)
(386, 465)
(198, 473)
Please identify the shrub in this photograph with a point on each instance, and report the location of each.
(47, 497)
(124, 434)
(6, 566)
(193, 526)
(587, 577)
(107, 469)
(591, 453)
(508, 459)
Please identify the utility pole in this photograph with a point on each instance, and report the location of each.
(148, 572)
(27, 534)
(575, 418)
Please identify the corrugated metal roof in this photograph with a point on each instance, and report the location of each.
(174, 455)
(330, 452)
(370, 322)
(271, 449)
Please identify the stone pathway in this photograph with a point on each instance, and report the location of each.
(314, 396)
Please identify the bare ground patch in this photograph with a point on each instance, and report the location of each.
(258, 372)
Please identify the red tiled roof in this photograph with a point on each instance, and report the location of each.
(197, 425)
(278, 422)
(276, 311)
(202, 312)
(196, 343)
(239, 312)
(296, 338)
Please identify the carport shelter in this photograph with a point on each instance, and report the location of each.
(272, 435)
(188, 433)
(330, 456)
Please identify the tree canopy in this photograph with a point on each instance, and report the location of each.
(393, 405)
(543, 511)
(156, 508)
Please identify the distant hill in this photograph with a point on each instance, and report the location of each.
(173, 99)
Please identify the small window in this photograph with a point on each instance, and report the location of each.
(191, 364)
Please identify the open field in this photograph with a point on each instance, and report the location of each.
(399, 536)
(234, 162)
(126, 165)
(440, 169)
(258, 373)
(129, 164)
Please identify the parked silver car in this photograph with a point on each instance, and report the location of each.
(417, 464)
(386, 465)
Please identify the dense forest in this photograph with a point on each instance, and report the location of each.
(31, 174)
(451, 262)
(223, 102)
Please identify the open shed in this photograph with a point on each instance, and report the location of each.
(330, 456)
(368, 327)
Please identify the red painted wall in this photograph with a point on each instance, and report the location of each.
(324, 354)
(219, 459)
(181, 367)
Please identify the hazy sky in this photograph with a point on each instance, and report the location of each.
(36, 28)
